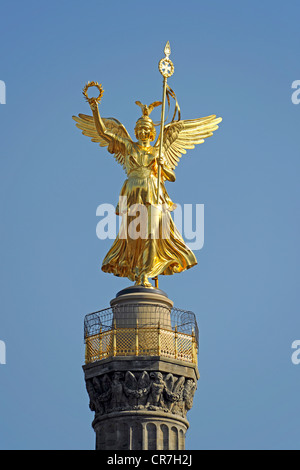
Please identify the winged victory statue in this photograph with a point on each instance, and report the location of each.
(160, 248)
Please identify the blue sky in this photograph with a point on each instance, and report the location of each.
(234, 59)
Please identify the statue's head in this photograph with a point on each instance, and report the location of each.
(144, 129)
(144, 125)
(157, 376)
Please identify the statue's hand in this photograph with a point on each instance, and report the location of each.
(93, 104)
(161, 161)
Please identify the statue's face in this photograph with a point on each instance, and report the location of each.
(144, 132)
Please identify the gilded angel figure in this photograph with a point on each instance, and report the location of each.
(148, 255)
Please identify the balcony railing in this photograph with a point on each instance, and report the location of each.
(141, 330)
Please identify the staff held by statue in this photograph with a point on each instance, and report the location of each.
(166, 68)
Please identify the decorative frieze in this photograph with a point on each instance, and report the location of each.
(152, 391)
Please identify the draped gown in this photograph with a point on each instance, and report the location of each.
(153, 246)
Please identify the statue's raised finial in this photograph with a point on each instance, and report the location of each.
(167, 49)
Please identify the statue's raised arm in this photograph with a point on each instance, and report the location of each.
(107, 132)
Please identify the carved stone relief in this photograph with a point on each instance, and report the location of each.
(154, 391)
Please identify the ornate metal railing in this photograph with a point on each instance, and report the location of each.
(141, 330)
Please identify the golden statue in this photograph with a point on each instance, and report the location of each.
(160, 249)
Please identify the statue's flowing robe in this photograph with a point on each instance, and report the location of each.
(153, 246)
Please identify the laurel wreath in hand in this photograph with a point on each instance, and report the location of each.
(89, 85)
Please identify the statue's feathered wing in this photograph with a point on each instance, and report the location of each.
(179, 136)
(87, 125)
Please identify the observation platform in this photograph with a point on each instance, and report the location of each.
(141, 329)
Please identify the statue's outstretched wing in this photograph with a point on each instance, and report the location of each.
(180, 136)
(114, 127)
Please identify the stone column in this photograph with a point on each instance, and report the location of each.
(141, 401)
(138, 305)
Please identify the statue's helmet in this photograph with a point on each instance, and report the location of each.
(145, 120)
